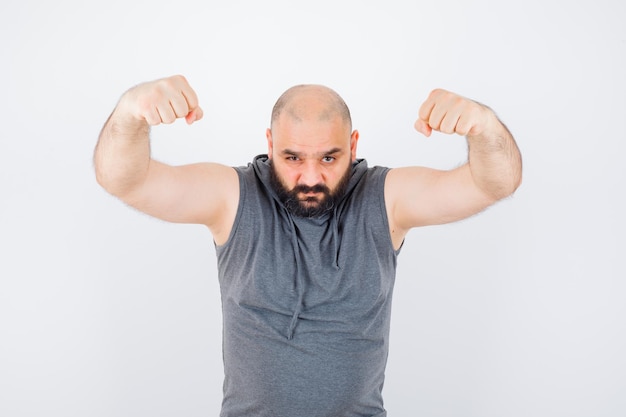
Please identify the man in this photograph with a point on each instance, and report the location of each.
(306, 236)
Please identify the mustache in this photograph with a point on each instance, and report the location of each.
(317, 188)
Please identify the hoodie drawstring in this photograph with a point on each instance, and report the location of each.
(299, 278)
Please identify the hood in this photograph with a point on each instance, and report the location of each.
(262, 169)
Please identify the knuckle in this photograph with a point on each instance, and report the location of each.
(175, 82)
(164, 84)
(438, 92)
(458, 100)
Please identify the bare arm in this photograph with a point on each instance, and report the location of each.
(199, 193)
(418, 196)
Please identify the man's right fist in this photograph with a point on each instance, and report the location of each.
(161, 101)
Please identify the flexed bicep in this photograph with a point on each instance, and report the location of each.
(420, 196)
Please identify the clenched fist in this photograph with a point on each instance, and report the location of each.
(161, 101)
(447, 112)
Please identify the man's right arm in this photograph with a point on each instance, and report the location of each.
(203, 193)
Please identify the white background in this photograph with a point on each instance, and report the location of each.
(519, 311)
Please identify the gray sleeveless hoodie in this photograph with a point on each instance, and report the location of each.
(306, 302)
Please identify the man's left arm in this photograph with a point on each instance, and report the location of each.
(419, 196)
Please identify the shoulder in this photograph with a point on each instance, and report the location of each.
(364, 176)
(368, 190)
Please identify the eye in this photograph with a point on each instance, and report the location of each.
(328, 158)
(292, 158)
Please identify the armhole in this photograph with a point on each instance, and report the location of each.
(382, 178)
(242, 195)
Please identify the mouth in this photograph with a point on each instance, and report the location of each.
(310, 194)
(310, 198)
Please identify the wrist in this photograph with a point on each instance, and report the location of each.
(489, 123)
(125, 122)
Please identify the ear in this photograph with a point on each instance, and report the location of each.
(354, 138)
(270, 143)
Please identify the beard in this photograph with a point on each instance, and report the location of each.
(310, 206)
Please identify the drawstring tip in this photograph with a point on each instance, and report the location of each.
(292, 325)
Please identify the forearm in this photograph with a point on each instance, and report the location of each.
(122, 155)
(495, 160)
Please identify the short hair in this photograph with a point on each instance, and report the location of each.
(335, 104)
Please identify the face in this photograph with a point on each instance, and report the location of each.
(311, 161)
(309, 201)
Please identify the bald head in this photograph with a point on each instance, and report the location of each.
(311, 102)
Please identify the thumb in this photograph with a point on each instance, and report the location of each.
(423, 127)
(194, 115)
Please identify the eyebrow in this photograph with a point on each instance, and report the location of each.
(332, 151)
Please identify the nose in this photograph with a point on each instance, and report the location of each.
(311, 174)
